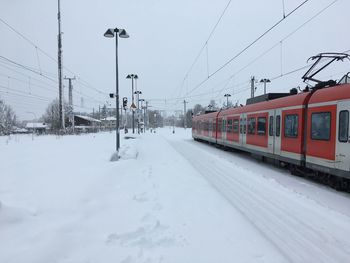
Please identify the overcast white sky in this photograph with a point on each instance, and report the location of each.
(165, 38)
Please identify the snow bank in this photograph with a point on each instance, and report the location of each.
(127, 151)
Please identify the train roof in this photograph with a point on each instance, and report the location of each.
(290, 101)
(206, 115)
(335, 93)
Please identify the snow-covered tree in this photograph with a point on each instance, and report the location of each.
(7, 118)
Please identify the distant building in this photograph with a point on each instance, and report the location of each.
(18, 130)
(86, 123)
(37, 127)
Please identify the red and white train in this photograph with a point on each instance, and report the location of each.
(308, 131)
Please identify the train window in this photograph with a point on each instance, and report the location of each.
(251, 125)
(261, 126)
(214, 126)
(223, 125)
(291, 126)
(278, 125)
(229, 125)
(219, 125)
(244, 125)
(271, 126)
(343, 135)
(321, 126)
(235, 126)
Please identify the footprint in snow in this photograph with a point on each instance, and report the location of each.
(141, 197)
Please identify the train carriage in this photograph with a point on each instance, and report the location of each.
(307, 130)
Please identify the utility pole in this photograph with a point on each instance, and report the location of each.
(70, 101)
(252, 86)
(146, 116)
(60, 86)
(99, 117)
(185, 114)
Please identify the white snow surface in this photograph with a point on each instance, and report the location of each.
(167, 199)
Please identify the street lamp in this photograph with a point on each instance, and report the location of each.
(142, 108)
(132, 77)
(265, 81)
(227, 95)
(110, 33)
(138, 92)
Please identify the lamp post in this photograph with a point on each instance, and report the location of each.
(265, 81)
(227, 95)
(33, 123)
(142, 100)
(138, 92)
(110, 33)
(132, 77)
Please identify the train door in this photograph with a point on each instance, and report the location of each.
(342, 152)
(271, 132)
(224, 128)
(242, 129)
(277, 131)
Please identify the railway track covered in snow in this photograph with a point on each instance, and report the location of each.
(301, 229)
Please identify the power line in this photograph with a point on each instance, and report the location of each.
(205, 45)
(17, 64)
(26, 68)
(248, 46)
(210, 35)
(46, 54)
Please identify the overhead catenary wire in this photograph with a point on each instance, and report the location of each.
(248, 46)
(279, 43)
(46, 54)
(205, 45)
(42, 75)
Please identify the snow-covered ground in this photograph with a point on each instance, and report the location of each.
(169, 199)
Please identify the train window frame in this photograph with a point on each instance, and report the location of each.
(244, 125)
(278, 125)
(261, 132)
(329, 128)
(235, 125)
(251, 125)
(219, 125)
(229, 125)
(223, 125)
(347, 127)
(296, 124)
(271, 119)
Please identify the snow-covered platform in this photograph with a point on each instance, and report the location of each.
(168, 199)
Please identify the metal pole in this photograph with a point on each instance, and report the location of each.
(117, 93)
(132, 98)
(264, 86)
(60, 86)
(138, 112)
(70, 101)
(185, 115)
(252, 80)
(226, 101)
(146, 114)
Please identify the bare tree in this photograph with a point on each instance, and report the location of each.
(52, 115)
